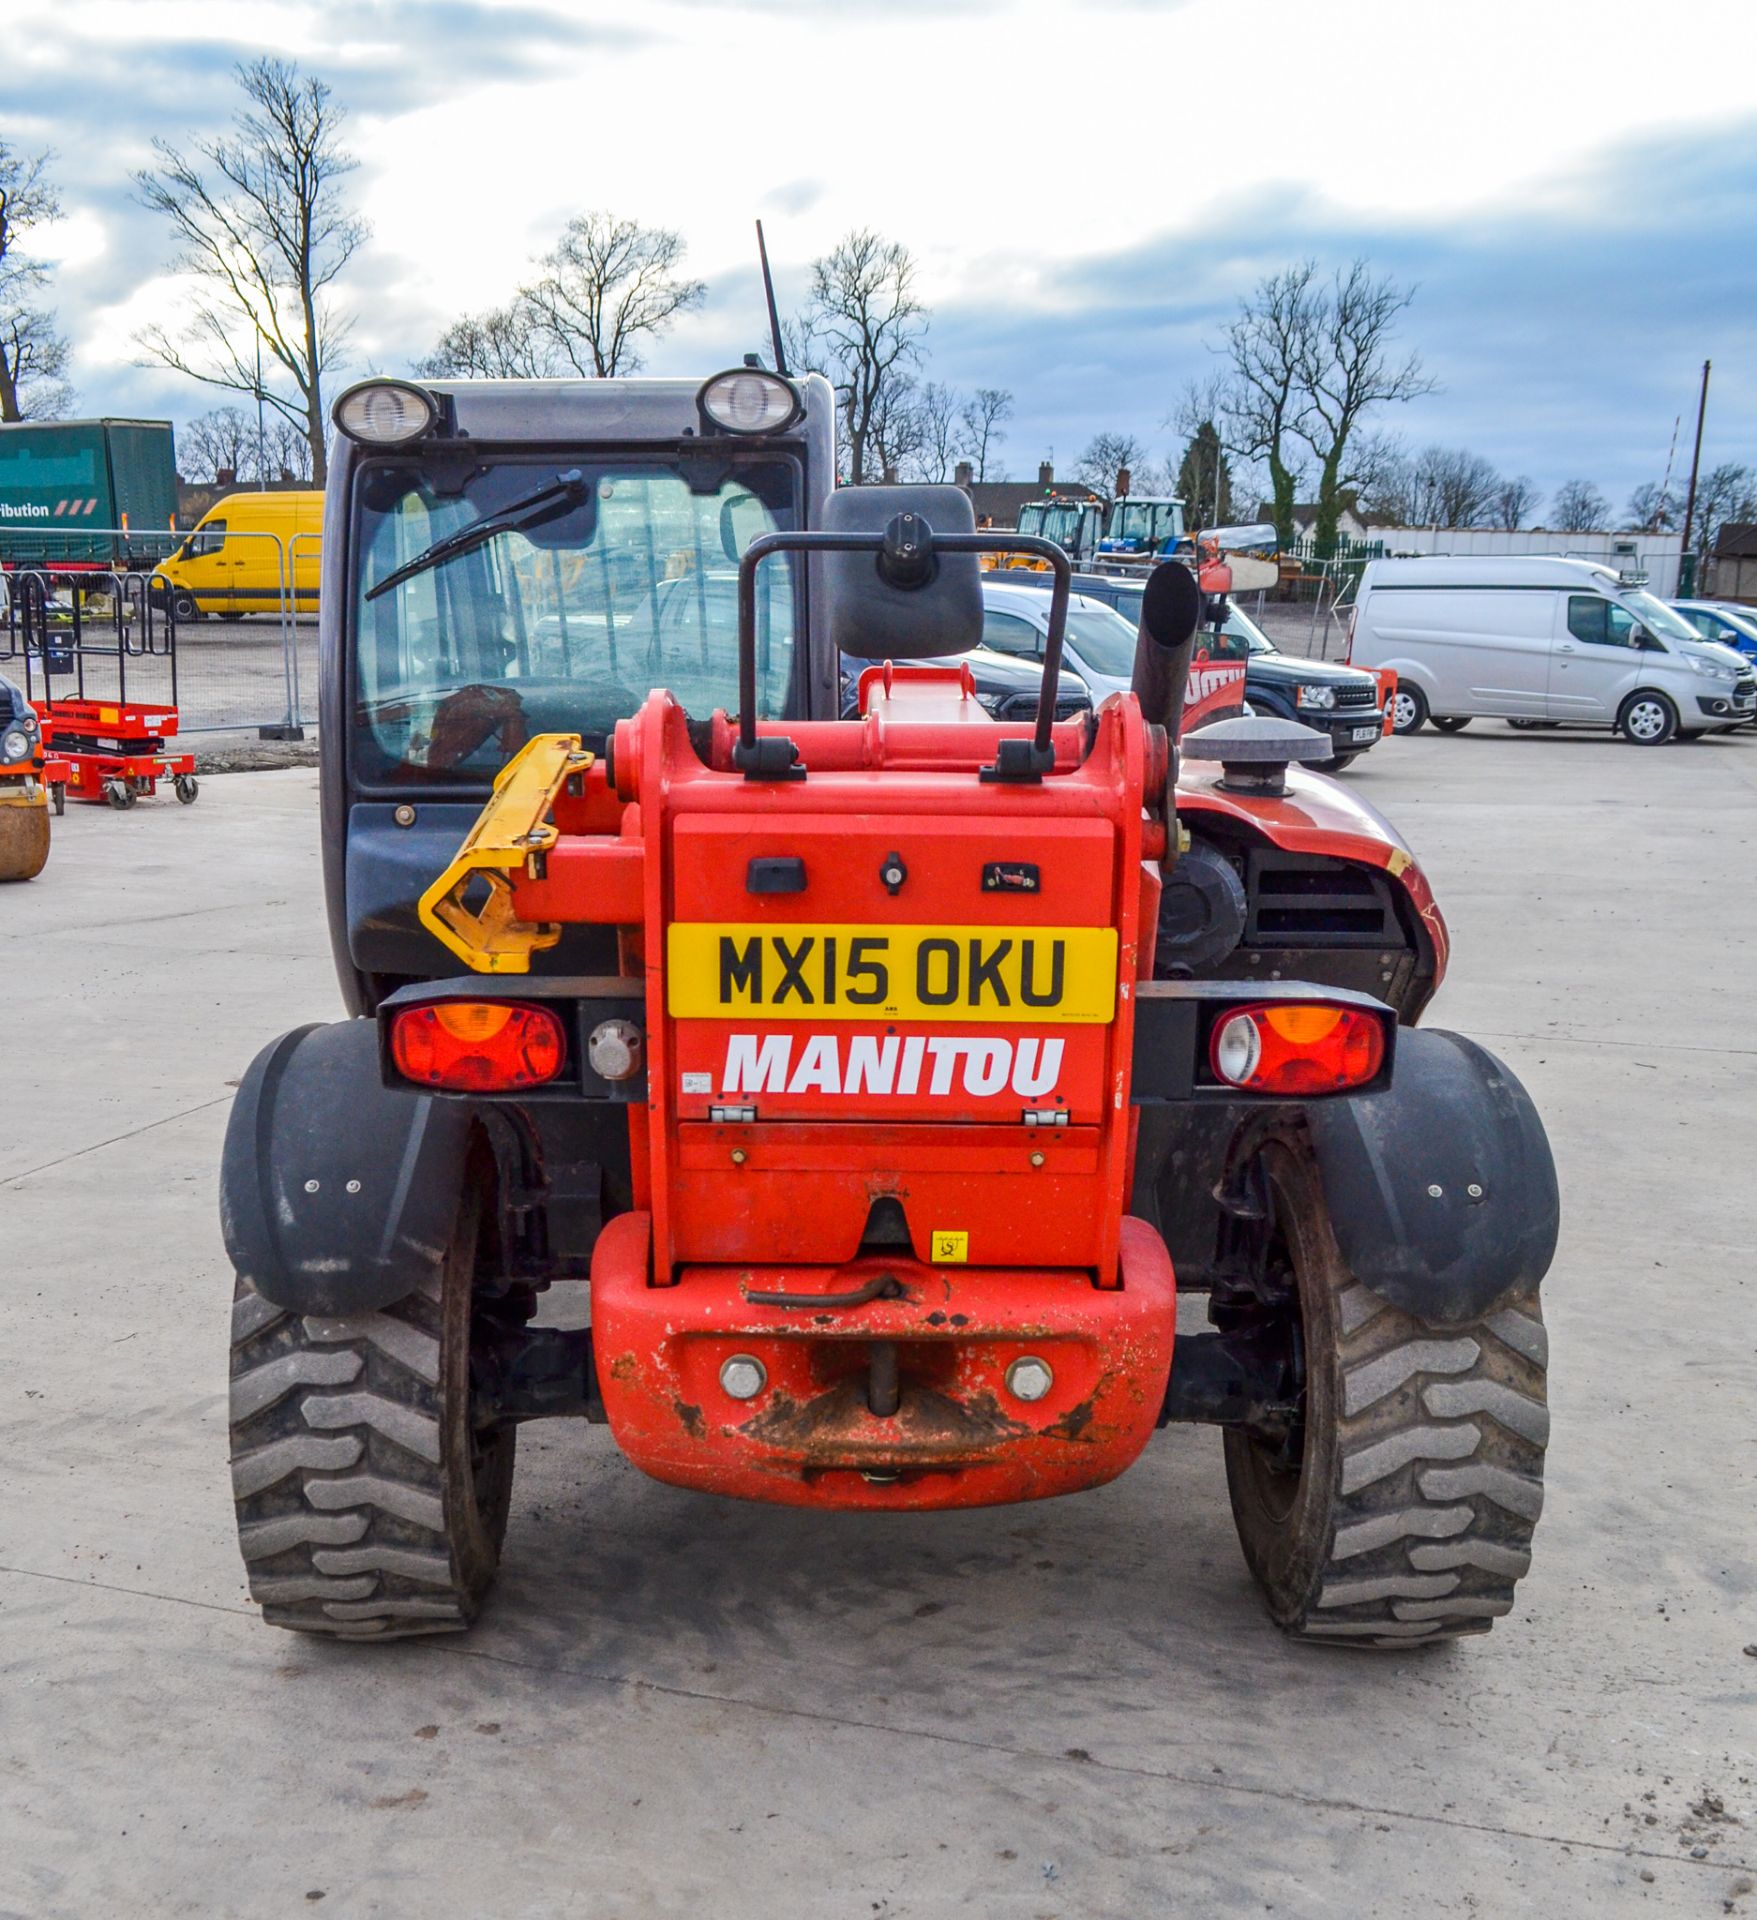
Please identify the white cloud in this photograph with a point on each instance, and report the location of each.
(1021, 147)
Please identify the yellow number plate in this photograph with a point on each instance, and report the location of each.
(1054, 974)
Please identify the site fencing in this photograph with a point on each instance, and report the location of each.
(236, 653)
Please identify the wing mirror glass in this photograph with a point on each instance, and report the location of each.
(742, 518)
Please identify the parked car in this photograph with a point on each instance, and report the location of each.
(1339, 700)
(1335, 699)
(1100, 647)
(1723, 621)
(1542, 642)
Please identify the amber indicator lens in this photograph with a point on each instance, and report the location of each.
(1293, 1047)
(477, 1046)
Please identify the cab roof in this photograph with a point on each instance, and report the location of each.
(588, 410)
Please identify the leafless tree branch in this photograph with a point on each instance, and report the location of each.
(33, 353)
(263, 227)
(609, 286)
(862, 329)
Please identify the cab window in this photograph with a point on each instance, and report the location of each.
(1008, 633)
(564, 624)
(207, 540)
(1601, 622)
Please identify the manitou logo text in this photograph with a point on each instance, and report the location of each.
(1207, 681)
(888, 1067)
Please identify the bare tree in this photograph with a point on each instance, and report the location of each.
(1451, 487)
(1514, 503)
(286, 453)
(1578, 507)
(1154, 477)
(504, 343)
(1725, 495)
(1268, 346)
(982, 424)
(264, 231)
(1346, 368)
(862, 329)
(33, 354)
(938, 408)
(1105, 456)
(223, 441)
(226, 441)
(609, 286)
(899, 434)
(1652, 508)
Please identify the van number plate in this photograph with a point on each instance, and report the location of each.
(851, 972)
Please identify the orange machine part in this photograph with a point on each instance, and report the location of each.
(957, 1438)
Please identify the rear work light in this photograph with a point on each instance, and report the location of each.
(1297, 1047)
(750, 400)
(385, 413)
(477, 1046)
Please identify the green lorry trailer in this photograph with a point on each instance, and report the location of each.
(86, 494)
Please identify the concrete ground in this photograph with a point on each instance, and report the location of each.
(679, 1705)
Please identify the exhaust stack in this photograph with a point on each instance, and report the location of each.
(1171, 610)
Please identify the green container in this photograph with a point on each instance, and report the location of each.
(67, 487)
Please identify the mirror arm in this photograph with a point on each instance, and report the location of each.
(746, 755)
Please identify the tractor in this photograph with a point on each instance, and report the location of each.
(27, 781)
(879, 1081)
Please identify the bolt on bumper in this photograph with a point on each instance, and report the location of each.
(900, 1399)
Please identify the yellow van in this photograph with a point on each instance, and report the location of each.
(227, 566)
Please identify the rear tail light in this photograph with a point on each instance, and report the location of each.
(477, 1046)
(1297, 1047)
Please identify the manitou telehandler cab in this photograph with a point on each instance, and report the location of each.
(880, 1080)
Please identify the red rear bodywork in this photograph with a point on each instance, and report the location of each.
(886, 1149)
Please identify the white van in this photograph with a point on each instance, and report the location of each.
(1542, 642)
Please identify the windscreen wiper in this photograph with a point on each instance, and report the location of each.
(562, 495)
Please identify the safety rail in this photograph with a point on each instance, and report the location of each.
(53, 640)
(230, 677)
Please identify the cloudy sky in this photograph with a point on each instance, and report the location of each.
(1088, 184)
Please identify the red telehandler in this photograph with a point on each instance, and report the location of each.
(881, 1080)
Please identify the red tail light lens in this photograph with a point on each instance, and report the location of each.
(477, 1046)
(1297, 1047)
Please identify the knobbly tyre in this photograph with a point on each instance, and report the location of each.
(881, 1079)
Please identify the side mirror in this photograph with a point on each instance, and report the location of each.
(886, 607)
(742, 518)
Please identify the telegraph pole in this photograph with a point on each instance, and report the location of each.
(1695, 464)
(261, 445)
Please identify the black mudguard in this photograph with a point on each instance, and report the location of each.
(1441, 1188)
(338, 1194)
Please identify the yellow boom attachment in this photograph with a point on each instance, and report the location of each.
(512, 835)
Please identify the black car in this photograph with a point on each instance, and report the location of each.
(1340, 701)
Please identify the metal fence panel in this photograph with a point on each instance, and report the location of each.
(234, 671)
